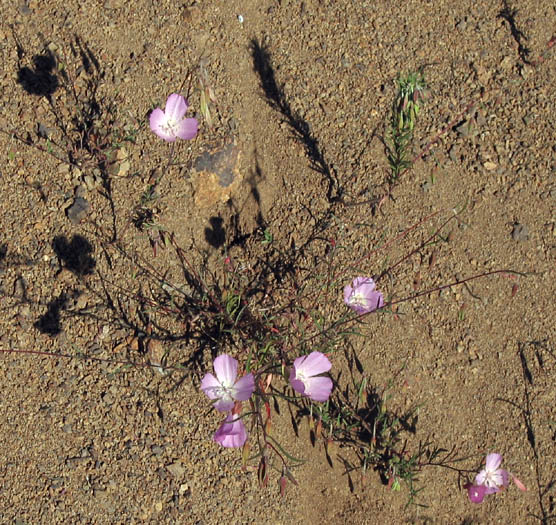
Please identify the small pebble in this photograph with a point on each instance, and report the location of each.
(78, 210)
(520, 232)
(176, 469)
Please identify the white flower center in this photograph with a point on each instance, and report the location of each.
(358, 299)
(493, 479)
(171, 126)
(225, 391)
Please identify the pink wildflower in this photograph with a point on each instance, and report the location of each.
(303, 380)
(492, 477)
(170, 123)
(224, 387)
(362, 295)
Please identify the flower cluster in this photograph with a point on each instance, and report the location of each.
(305, 375)
(491, 479)
(228, 391)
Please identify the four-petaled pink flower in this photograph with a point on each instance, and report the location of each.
(231, 433)
(170, 123)
(224, 387)
(303, 380)
(492, 477)
(362, 295)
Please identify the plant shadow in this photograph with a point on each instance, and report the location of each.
(41, 79)
(75, 255)
(300, 128)
(533, 356)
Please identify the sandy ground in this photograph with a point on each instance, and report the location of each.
(89, 439)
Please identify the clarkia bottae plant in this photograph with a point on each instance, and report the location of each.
(230, 393)
(285, 352)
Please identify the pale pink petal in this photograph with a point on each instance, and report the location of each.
(358, 308)
(491, 490)
(224, 404)
(376, 300)
(210, 386)
(485, 478)
(480, 478)
(157, 122)
(348, 290)
(187, 128)
(313, 364)
(244, 387)
(292, 370)
(362, 295)
(296, 384)
(231, 433)
(373, 298)
(226, 369)
(493, 461)
(318, 388)
(157, 119)
(367, 287)
(519, 485)
(505, 477)
(359, 281)
(298, 362)
(176, 106)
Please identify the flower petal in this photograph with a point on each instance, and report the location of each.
(318, 388)
(231, 433)
(360, 281)
(297, 385)
(226, 369)
(504, 474)
(519, 484)
(244, 387)
(224, 404)
(348, 290)
(480, 478)
(157, 122)
(373, 298)
(362, 295)
(210, 386)
(359, 309)
(313, 364)
(176, 106)
(493, 461)
(188, 128)
(476, 493)
(298, 363)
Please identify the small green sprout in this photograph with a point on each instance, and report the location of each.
(406, 108)
(267, 237)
